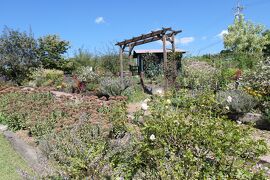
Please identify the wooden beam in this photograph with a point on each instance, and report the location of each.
(165, 62)
(121, 66)
(146, 41)
(144, 36)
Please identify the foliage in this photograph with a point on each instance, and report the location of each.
(112, 86)
(257, 84)
(183, 136)
(109, 61)
(266, 50)
(134, 93)
(245, 37)
(199, 75)
(78, 151)
(152, 65)
(74, 133)
(86, 74)
(237, 101)
(181, 143)
(46, 77)
(50, 51)
(84, 58)
(258, 79)
(17, 54)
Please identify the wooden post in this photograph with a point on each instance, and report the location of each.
(165, 62)
(173, 43)
(130, 52)
(121, 65)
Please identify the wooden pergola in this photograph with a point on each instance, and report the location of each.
(165, 34)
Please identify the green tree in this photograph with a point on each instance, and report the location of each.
(85, 58)
(51, 50)
(245, 37)
(17, 54)
(266, 50)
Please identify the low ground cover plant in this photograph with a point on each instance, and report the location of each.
(185, 135)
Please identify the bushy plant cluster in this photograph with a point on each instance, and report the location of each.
(258, 79)
(88, 76)
(257, 84)
(184, 136)
(40, 113)
(113, 86)
(152, 65)
(192, 142)
(20, 52)
(199, 75)
(134, 93)
(237, 101)
(46, 77)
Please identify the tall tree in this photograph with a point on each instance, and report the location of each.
(266, 50)
(245, 37)
(51, 50)
(17, 54)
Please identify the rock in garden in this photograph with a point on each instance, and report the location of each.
(3, 128)
(255, 118)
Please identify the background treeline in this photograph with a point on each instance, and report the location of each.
(21, 53)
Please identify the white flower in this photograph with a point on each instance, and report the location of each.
(239, 122)
(147, 100)
(152, 137)
(229, 99)
(227, 107)
(144, 106)
(168, 101)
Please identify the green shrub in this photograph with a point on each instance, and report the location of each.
(199, 75)
(181, 143)
(78, 151)
(46, 77)
(86, 74)
(112, 86)
(237, 101)
(134, 93)
(258, 79)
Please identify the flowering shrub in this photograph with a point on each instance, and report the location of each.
(258, 80)
(258, 85)
(182, 142)
(46, 77)
(86, 74)
(199, 75)
(237, 101)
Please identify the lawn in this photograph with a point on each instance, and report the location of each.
(10, 161)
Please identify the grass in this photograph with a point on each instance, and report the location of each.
(10, 162)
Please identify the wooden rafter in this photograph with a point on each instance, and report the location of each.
(143, 37)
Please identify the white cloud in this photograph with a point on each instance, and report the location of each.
(183, 41)
(99, 20)
(222, 33)
(204, 37)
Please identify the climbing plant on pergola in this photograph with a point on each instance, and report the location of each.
(165, 34)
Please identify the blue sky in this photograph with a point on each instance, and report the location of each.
(95, 24)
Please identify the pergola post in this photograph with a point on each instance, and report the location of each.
(173, 43)
(121, 65)
(165, 61)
